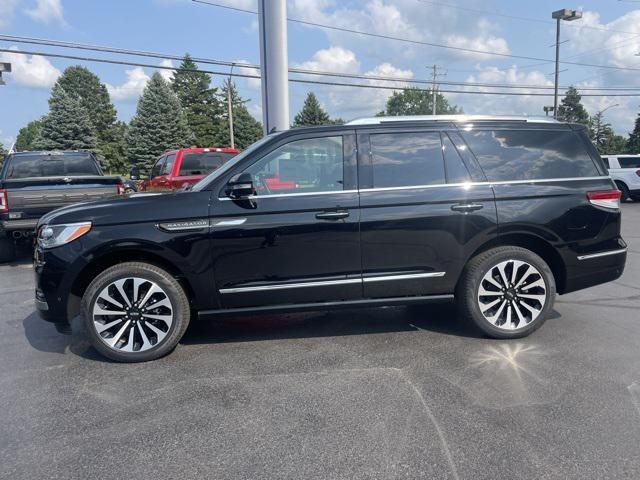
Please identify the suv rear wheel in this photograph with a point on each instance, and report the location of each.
(135, 312)
(507, 292)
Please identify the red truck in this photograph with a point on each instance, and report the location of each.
(180, 168)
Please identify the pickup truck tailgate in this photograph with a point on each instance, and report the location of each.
(35, 200)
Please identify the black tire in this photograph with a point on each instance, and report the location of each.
(470, 282)
(7, 249)
(129, 191)
(625, 195)
(180, 303)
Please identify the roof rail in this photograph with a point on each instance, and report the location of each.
(451, 118)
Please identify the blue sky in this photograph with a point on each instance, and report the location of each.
(609, 35)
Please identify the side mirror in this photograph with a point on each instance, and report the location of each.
(135, 173)
(241, 187)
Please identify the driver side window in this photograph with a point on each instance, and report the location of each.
(309, 165)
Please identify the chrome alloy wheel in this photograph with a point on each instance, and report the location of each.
(512, 294)
(132, 314)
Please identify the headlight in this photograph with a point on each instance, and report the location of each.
(50, 236)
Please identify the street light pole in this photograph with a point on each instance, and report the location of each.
(230, 109)
(567, 15)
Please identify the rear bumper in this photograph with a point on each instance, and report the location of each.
(28, 224)
(596, 268)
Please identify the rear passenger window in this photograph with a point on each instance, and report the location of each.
(407, 159)
(454, 166)
(629, 162)
(530, 154)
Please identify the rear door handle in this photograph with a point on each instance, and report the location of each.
(466, 207)
(332, 215)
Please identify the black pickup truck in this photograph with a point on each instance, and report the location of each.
(34, 183)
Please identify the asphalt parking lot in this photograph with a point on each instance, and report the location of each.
(378, 393)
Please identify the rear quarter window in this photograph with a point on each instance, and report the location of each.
(629, 162)
(530, 154)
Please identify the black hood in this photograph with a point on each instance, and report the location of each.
(137, 208)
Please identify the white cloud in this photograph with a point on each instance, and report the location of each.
(7, 9)
(30, 71)
(131, 89)
(166, 74)
(47, 11)
(252, 83)
(334, 59)
(351, 102)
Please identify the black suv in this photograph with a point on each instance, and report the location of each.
(501, 213)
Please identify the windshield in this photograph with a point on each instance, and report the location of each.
(51, 165)
(224, 168)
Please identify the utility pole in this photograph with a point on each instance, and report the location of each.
(230, 109)
(567, 15)
(434, 76)
(4, 67)
(272, 17)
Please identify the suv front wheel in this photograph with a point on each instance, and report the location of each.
(507, 292)
(135, 312)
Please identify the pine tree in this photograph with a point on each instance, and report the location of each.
(571, 108)
(246, 129)
(158, 124)
(27, 135)
(3, 152)
(633, 144)
(600, 132)
(199, 101)
(67, 126)
(311, 113)
(80, 82)
(414, 101)
(114, 149)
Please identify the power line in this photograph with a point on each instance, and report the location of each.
(295, 80)
(423, 43)
(123, 51)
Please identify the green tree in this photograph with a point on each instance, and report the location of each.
(246, 129)
(3, 152)
(158, 124)
(617, 144)
(414, 101)
(600, 132)
(633, 144)
(67, 126)
(571, 108)
(80, 82)
(114, 149)
(199, 101)
(311, 113)
(27, 135)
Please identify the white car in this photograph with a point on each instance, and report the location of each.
(625, 171)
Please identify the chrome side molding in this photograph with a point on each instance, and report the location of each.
(602, 254)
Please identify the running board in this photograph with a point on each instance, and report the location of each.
(319, 306)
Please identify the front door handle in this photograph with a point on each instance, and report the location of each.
(466, 207)
(337, 215)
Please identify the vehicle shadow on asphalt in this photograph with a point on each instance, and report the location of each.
(438, 318)
(47, 337)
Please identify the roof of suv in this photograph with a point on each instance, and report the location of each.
(203, 149)
(451, 118)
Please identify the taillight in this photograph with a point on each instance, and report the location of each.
(120, 189)
(638, 173)
(605, 198)
(4, 201)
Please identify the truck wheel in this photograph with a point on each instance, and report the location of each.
(506, 292)
(7, 249)
(624, 196)
(135, 312)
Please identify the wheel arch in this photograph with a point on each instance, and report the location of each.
(115, 257)
(537, 245)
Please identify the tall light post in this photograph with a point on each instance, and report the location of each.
(567, 15)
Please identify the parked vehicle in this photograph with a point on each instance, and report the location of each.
(129, 186)
(501, 213)
(184, 167)
(625, 171)
(34, 183)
